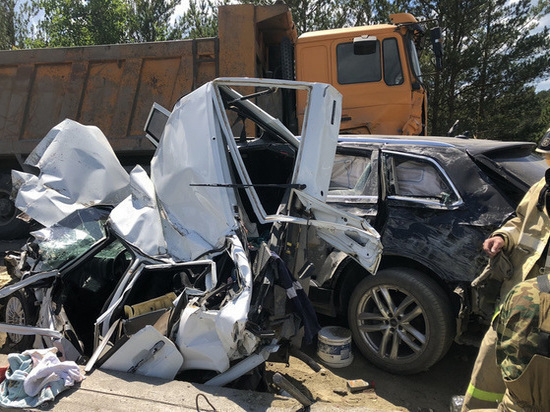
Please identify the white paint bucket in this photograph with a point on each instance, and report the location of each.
(334, 346)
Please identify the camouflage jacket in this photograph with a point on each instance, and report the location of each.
(524, 316)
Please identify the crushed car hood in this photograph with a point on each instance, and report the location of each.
(77, 169)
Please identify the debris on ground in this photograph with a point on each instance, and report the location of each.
(359, 385)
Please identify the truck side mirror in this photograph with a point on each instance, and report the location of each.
(435, 37)
(364, 45)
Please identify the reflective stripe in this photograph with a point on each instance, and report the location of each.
(291, 293)
(495, 315)
(484, 395)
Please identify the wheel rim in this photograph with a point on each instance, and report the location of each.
(392, 323)
(15, 315)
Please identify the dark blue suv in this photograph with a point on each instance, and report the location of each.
(433, 200)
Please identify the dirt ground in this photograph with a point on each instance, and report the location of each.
(427, 391)
(423, 392)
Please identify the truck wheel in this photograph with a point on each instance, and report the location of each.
(401, 320)
(10, 226)
(19, 309)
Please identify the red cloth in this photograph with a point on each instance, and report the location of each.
(3, 370)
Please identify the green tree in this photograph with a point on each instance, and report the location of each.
(493, 55)
(310, 15)
(83, 22)
(367, 12)
(7, 29)
(150, 20)
(199, 20)
(15, 23)
(544, 102)
(453, 17)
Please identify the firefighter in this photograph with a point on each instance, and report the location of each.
(522, 245)
(523, 345)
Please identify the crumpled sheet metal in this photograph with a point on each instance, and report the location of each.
(78, 169)
(137, 218)
(165, 214)
(191, 151)
(209, 339)
(173, 217)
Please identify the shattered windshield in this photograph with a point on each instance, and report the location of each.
(70, 238)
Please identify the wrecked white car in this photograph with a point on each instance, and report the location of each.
(193, 267)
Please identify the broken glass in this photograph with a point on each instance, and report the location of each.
(70, 238)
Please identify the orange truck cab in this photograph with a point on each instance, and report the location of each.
(375, 68)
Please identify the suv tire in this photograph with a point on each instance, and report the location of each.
(401, 320)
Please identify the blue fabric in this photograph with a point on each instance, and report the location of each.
(300, 301)
(12, 393)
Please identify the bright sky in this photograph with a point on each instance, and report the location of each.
(545, 85)
(180, 8)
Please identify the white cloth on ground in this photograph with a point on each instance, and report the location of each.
(48, 368)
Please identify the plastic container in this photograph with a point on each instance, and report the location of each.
(334, 346)
(456, 403)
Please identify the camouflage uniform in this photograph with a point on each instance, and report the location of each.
(526, 237)
(522, 351)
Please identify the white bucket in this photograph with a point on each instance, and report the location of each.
(334, 346)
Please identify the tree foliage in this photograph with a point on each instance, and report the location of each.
(544, 102)
(82, 22)
(495, 51)
(15, 24)
(199, 20)
(150, 19)
(309, 15)
(87, 22)
(7, 29)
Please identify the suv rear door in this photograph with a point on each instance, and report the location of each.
(355, 181)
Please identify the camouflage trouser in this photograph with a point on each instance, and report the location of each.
(486, 387)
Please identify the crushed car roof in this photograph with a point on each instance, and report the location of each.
(472, 146)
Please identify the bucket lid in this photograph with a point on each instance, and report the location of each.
(334, 333)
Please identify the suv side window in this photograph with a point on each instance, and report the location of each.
(419, 179)
(350, 175)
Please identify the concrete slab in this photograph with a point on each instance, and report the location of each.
(123, 392)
